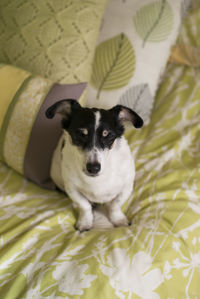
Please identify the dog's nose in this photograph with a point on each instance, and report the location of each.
(93, 168)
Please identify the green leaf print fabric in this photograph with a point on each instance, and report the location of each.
(134, 44)
(158, 256)
(154, 21)
(114, 63)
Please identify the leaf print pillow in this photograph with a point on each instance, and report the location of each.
(134, 45)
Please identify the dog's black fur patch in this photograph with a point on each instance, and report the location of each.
(85, 118)
(110, 123)
(81, 118)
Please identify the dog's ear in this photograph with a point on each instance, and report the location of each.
(63, 107)
(125, 114)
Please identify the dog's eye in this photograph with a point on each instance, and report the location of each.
(105, 133)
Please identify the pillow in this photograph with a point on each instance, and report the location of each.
(27, 137)
(186, 51)
(134, 45)
(54, 39)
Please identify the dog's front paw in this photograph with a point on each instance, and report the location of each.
(119, 220)
(84, 223)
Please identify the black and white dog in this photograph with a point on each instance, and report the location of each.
(92, 162)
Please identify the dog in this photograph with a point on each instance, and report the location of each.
(92, 162)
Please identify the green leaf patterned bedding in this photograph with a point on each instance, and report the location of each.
(158, 256)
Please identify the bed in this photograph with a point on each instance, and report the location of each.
(158, 256)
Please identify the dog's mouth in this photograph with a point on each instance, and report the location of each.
(91, 174)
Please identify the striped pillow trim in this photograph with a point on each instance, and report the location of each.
(45, 135)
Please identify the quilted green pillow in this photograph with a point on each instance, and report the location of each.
(27, 137)
(54, 39)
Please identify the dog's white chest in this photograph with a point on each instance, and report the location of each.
(118, 172)
(102, 190)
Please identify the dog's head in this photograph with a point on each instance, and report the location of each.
(93, 132)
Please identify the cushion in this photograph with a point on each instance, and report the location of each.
(186, 51)
(134, 46)
(54, 39)
(27, 137)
